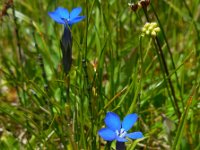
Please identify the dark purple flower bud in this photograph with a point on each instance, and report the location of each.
(144, 3)
(66, 47)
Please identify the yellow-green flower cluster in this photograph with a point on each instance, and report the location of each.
(151, 29)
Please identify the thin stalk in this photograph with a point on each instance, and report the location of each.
(82, 144)
(170, 54)
(84, 61)
(198, 36)
(191, 15)
(164, 64)
(17, 36)
(21, 60)
(179, 133)
(168, 90)
(160, 53)
(141, 74)
(41, 61)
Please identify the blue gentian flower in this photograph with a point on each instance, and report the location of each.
(62, 16)
(117, 130)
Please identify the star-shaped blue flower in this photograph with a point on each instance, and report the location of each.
(117, 130)
(62, 16)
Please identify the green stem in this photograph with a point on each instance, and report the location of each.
(170, 54)
(21, 60)
(169, 79)
(164, 64)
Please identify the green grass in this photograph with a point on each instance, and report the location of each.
(114, 69)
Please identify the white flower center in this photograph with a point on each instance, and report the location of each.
(122, 133)
(66, 20)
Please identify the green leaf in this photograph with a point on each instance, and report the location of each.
(183, 119)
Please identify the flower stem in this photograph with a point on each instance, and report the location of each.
(164, 64)
(120, 146)
(21, 59)
(170, 54)
(168, 77)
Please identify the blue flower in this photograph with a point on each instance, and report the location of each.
(62, 16)
(117, 130)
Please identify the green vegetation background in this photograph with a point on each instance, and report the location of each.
(114, 69)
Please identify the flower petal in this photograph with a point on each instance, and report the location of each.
(119, 139)
(63, 13)
(135, 135)
(129, 121)
(75, 12)
(77, 19)
(112, 121)
(107, 134)
(55, 16)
